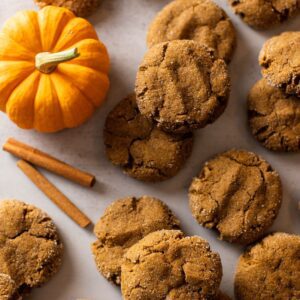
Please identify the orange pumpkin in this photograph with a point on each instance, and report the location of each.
(53, 69)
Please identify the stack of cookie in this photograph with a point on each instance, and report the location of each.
(140, 247)
(182, 85)
(274, 101)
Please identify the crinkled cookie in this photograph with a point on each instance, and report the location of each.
(280, 62)
(200, 20)
(167, 265)
(182, 86)
(274, 117)
(262, 14)
(142, 150)
(123, 224)
(30, 248)
(270, 270)
(238, 194)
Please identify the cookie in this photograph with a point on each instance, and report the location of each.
(182, 86)
(270, 270)
(8, 288)
(124, 223)
(81, 8)
(238, 194)
(274, 117)
(167, 265)
(143, 151)
(223, 296)
(200, 20)
(30, 248)
(262, 14)
(280, 62)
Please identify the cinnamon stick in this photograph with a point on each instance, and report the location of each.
(54, 194)
(48, 162)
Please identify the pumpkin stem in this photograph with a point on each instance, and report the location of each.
(46, 62)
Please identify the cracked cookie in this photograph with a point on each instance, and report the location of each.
(274, 117)
(182, 86)
(140, 148)
(238, 194)
(280, 62)
(200, 20)
(81, 8)
(8, 288)
(30, 249)
(167, 265)
(262, 14)
(270, 270)
(123, 224)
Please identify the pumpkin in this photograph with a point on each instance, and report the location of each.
(53, 69)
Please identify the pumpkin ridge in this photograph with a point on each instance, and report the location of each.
(61, 79)
(75, 31)
(59, 25)
(3, 103)
(54, 91)
(15, 101)
(79, 88)
(8, 40)
(100, 51)
(25, 45)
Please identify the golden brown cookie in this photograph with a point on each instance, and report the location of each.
(274, 117)
(81, 8)
(262, 14)
(280, 62)
(30, 248)
(182, 86)
(167, 265)
(238, 194)
(270, 270)
(140, 148)
(8, 288)
(200, 20)
(124, 223)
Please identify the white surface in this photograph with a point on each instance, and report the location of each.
(122, 25)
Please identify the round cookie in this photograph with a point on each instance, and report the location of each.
(262, 14)
(270, 270)
(200, 20)
(30, 248)
(81, 8)
(167, 265)
(274, 117)
(8, 288)
(140, 148)
(124, 223)
(182, 86)
(280, 62)
(238, 194)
